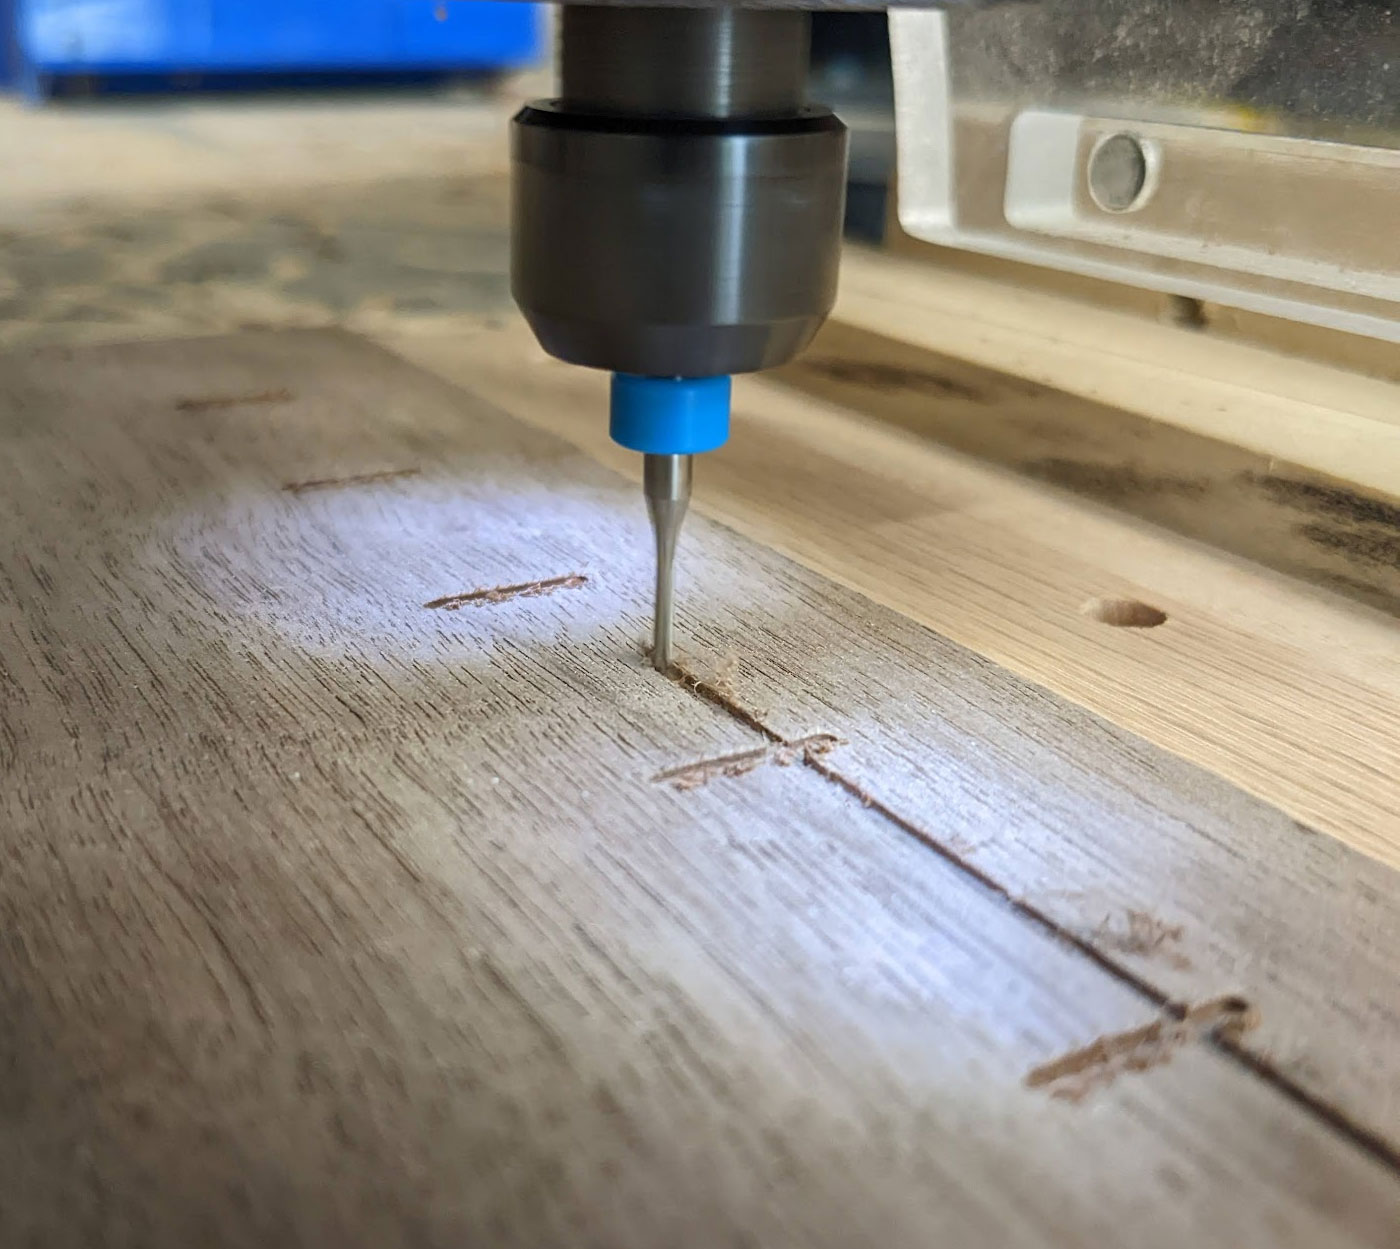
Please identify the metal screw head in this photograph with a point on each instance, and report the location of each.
(1122, 172)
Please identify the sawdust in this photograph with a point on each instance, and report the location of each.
(725, 699)
(1142, 934)
(1073, 1076)
(725, 675)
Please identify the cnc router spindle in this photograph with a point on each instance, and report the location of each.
(676, 219)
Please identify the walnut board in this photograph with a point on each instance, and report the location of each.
(332, 918)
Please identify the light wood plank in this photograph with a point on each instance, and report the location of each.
(1332, 533)
(145, 156)
(331, 918)
(1353, 353)
(1324, 417)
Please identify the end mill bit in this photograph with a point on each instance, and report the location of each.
(666, 483)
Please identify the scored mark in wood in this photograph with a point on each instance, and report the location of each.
(358, 479)
(1073, 1076)
(504, 593)
(211, 403)
(1226, 1041)
(724, 699)
(693, 775)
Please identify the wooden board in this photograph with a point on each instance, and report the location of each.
(193, 149)
(1289, 692)
(334, 918)
(1274, 403)
(1295, 340)
(1332, 533)
(1094, 871)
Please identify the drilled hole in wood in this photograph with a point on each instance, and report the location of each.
(1186, 312)
(1124, 613)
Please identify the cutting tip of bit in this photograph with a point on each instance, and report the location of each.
(666, 483)
(661, 653)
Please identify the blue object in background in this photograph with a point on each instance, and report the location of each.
(669, 415)
(46, 40)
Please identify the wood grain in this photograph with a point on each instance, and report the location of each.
(330, 919)
(1289, 692)
(1298, 923)
(64, 161)
(1333, 533)
(1323, 417)
(1293, 340)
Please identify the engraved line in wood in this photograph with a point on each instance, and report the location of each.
(358, 479)
(693, 775)
(1073, 1076)
(504, 593)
